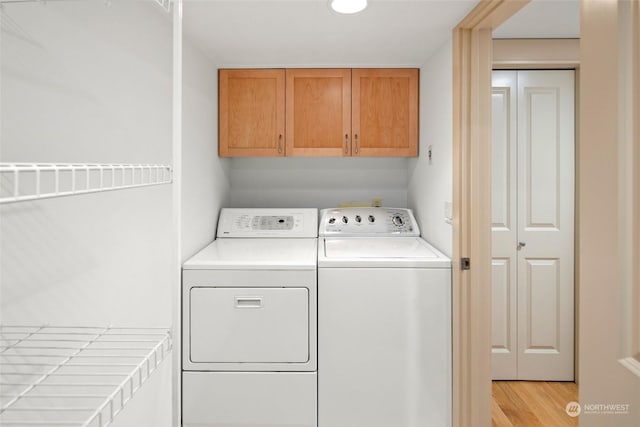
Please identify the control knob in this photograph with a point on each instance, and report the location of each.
(358, 218)
(398, 221)
(345, 219)
(332, 220)
(372, 218)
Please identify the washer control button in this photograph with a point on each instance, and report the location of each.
(332, 220)
(358, 218)
(372, 218)
(345, 219)
(398, 221)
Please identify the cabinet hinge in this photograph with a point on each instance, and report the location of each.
(465, 263)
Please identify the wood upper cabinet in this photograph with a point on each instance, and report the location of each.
(329, 112)
(251, 113)
(318, 111)
(385, 112)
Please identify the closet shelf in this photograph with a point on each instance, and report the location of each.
(74, 376)
(166, 4)
(31, 181)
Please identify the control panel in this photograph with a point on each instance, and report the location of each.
(266, 222)
(281, 223)
(366, 222)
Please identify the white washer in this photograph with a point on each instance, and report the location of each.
(249, 322)
(384, 322)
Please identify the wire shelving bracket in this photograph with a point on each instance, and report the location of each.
(74, 376)
(31, 181)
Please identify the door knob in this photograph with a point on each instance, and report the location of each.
(521, 245)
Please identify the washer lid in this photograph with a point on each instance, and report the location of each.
(256, 254)
(380, 252)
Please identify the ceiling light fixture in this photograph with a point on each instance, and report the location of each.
(348, 6)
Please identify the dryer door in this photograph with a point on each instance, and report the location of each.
(249, 325)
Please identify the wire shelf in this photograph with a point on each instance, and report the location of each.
(74, 376)
(166, 4)
(31, 181)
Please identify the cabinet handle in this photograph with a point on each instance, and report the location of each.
(346, 143)
(280, 144)
(248, 302)
(355, 137)
(521, 245)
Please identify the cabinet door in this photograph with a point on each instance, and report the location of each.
(251, 113)
(385, 112)
(318, 112)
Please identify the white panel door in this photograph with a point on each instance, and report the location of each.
(546, 153)
(533, 225)
(504, 225)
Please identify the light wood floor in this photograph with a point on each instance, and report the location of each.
(532, 404)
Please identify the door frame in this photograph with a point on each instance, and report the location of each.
(471, 293)
(609, 220)
(601, 41)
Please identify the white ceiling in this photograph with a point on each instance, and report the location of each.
(308, 33)
(543, 19)
(289, 33)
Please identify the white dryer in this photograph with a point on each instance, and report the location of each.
(249, 322)
(384, 322)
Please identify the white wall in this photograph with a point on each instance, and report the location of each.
(317, 182)
(205, 182)
(430, 181)
(81, 82)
